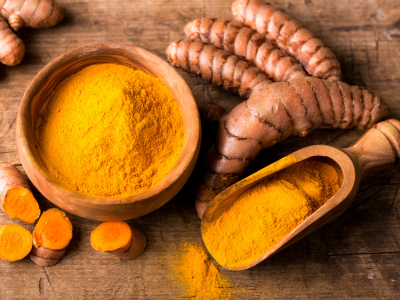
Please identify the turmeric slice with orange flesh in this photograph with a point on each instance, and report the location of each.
(51, 236)
(15, 242)
(16, 199)
(119, 239)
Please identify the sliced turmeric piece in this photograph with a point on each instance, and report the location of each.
(15, 242)
(16, 199)
(119, 239)
(51, 236)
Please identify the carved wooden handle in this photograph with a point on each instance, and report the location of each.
(378, 149)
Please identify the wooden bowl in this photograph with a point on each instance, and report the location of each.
(106, 208)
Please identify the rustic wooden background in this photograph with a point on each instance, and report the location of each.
(355, 257)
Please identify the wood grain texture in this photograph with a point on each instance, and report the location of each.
(355, 257)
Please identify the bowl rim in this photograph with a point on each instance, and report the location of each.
(192, 134)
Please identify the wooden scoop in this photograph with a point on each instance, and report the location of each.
(377, 150)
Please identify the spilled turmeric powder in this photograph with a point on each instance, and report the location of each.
(110, 130)
(265, 213)
(199, 276)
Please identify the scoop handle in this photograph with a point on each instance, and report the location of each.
(378, 149)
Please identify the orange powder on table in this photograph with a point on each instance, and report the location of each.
(199, 276)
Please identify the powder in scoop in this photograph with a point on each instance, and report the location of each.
(268, 211)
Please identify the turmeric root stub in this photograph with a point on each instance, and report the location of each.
(51, 236)
(119, 239)
(110, 130)
(268, 211)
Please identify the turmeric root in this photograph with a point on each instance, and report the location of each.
(226, 70)
(23, 13)
(238, 39)
(16, 199)
(273, 112)
(12, 49)
(119, 239)
(31, 13)
(15, 242)
(51, 236)
(290, 36)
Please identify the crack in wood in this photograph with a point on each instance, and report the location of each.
(40, 285)
(48, 280)
(365, 253)
(392, 203)
(9, 127)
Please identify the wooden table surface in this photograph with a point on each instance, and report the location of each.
(355, 257)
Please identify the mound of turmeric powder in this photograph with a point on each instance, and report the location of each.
(110, 130)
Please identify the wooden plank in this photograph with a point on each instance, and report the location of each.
(356, 256)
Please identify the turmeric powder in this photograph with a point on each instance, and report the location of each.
(199, 275)
(110, 130)
(265, 213)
